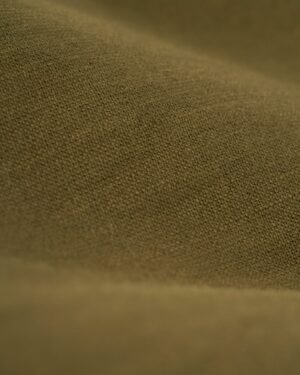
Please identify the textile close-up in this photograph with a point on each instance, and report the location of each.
(149, 187)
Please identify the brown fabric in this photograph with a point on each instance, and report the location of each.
(149, 187)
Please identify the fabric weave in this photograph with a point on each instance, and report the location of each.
(149, 180)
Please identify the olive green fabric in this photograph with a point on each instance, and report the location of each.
(149, 187)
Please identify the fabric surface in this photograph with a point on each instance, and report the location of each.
(149, 187)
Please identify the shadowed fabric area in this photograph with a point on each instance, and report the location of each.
(149, 187)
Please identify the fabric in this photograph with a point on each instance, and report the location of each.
(149, 187)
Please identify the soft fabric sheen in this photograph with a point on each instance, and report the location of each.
(149, 187)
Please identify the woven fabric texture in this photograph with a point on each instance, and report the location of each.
(149, 187)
